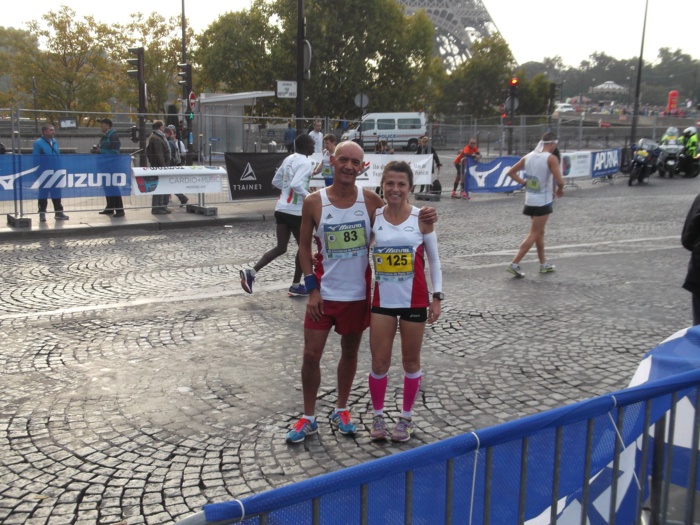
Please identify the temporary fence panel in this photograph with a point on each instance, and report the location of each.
(589, 462)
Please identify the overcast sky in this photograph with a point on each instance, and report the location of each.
(534, 29)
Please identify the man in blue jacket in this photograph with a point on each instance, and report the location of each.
(47, 145)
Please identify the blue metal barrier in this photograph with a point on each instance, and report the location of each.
(588, 462)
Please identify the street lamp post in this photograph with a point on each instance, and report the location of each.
(637, 91)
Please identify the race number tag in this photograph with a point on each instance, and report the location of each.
(393, 263)
(344, 241)
(532, 183)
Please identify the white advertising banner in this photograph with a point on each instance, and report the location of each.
(576, 165)
(371, 174)
(177, 179)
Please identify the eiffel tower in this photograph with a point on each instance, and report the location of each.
(457, 24)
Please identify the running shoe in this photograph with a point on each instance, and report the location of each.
(247, 280)
(378, 432)
(515, 270)
(297, 290)
(60, 216)
(403, 430)
(301, 429)
(465, 196)
(341, 420)
(454, 195)
(547, 267)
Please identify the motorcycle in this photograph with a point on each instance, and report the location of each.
(644, 161)
(671, 149)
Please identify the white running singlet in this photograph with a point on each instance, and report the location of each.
(342, 240)
(539, 181)
(399, 263)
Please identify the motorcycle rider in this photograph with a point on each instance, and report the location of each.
(670, 137)
(690, 141)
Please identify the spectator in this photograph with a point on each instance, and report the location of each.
(289, 135)
(176, 152)
(158, 152)
(470, 150)
(48, 145)
(110, 145)
(424, 148)
(317, 135)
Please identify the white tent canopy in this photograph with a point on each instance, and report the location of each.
(609, 87)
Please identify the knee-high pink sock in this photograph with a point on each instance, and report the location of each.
(377, 391)
(411, 386)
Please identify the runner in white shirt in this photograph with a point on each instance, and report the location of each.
(292, 178)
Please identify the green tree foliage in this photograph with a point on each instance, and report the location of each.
(235, 52)
(10, 39)
(476, 87)
(382, 53)
(162, 43)
(73, 63)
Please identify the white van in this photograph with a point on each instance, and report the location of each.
(400, 130)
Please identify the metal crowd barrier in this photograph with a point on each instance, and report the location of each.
(603, 460)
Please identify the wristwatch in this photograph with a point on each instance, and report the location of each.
(439, 296)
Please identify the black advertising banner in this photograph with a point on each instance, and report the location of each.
(250, 174)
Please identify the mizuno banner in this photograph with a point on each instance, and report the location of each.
(178, 179)
(490, 177)
(65, 176)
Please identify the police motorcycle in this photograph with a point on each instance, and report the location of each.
(670, 150)
(689, 166)
(644, 161)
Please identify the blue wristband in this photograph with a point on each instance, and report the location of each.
(311, 283)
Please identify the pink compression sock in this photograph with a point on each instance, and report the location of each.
(411, 386)
(377, 390)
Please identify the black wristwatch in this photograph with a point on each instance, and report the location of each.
(439, 296)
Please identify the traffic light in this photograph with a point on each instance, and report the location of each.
(137, 73)
(190, 115)
(513, 91)
(185, 75)
(134, 133)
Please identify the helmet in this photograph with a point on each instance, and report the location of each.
(692, 130)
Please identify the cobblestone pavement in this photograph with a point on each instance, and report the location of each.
(139, 382)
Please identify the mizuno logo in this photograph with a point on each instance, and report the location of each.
(62, 179)
(248, 173)
(8, 181)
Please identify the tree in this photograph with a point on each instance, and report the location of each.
(72, 66)
(476, 86)
(383, 54)
(10, 39)
(235, 52)
(162, 43)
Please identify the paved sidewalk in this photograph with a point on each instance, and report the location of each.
(91, 222)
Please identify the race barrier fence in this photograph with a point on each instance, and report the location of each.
(246, 176)
(491, 176)
(629, 457)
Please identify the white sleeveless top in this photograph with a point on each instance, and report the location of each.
(399, 263)
(539, 181)
(342, 240)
